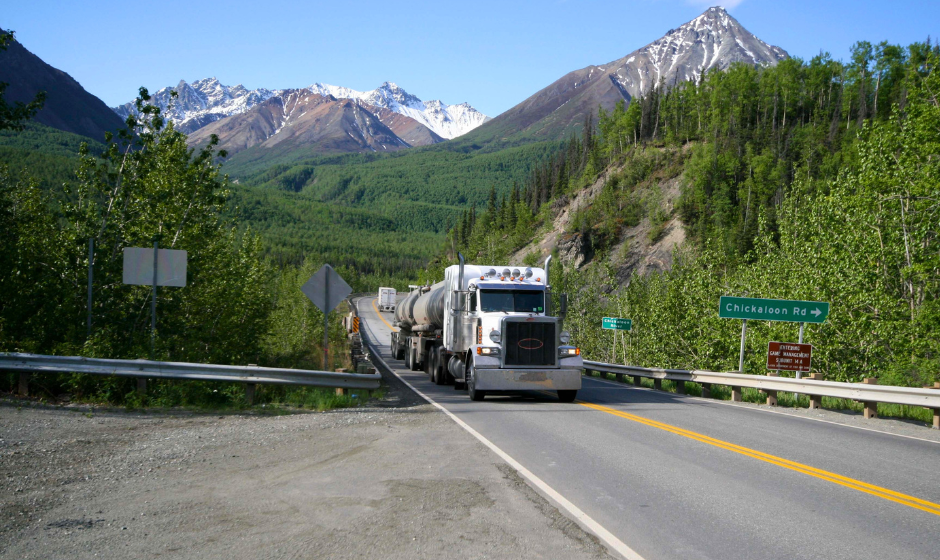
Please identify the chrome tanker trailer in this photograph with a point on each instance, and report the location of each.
(488, 329)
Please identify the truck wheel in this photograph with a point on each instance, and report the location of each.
(475, 394)
(407, 359)
(413, 354)
(399, 353)
(429, 365)
(567, 396)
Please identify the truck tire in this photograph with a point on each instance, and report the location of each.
(413, 359)
(407, 354)
(475, 394)
(567, 396)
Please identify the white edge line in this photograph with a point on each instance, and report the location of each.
(582, 518)
(756, 409)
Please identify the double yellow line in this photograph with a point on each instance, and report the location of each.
(379, 314)
(878, 491)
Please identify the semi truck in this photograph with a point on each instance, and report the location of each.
(387, 299)
(488, 329)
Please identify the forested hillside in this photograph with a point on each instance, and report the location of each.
(144, 185)
(384, 214)
(811, 180)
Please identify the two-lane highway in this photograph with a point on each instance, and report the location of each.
(678, 477)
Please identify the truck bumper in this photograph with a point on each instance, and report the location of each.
(488, 379)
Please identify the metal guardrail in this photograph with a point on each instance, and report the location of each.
(863, 392)
(181, 370)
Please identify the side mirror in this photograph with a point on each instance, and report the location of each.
(563, 304)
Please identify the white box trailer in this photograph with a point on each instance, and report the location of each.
(387, 299)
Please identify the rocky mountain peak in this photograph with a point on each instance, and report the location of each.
(207, 100)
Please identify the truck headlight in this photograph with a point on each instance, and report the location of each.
(495, 336)
(487, 351)
(568, 351)
(565, 337)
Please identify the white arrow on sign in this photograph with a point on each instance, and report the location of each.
(816, 312)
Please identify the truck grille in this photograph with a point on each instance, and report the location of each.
(530, 344)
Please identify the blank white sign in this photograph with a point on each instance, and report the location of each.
(138, 267)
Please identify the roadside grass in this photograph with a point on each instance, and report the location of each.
(787, 400)
(195, 396)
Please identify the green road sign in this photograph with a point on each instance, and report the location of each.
(617, 324)
(773, 309)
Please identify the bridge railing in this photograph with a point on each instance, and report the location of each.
(868, 393)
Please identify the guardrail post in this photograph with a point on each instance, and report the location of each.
(815, 401)
(680, 387)
(587, 372)
(771, 395)
(341, 390)
(250, 393)
(637, 380)
(936, 411)
(735, 394)
(871, 408)
(619, 377)
(706, 390)
(657, 384)
(24, 384)
(142, 386)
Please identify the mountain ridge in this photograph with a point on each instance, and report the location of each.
(68, 105)
(714, 39)
(205, 101)
(315, 123)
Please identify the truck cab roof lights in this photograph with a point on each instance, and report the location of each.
(528, 273)
(491, 273)
(515, 272)
(507, 272)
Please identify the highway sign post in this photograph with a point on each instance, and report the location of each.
(151, 267)
(326, 289)
(760, 309)
(616, 324)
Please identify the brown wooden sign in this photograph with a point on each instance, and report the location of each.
(789, 356)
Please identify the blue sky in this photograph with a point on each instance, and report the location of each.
(492, 54)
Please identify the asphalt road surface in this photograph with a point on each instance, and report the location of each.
(680, 477)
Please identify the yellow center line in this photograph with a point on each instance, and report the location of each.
(878, 491)
(377, 312)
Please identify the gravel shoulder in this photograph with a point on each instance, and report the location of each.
(395, 480)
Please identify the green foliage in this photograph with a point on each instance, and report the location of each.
(393, 210)
(795, 186)
(865, 240)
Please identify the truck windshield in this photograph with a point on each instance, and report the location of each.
(523, 301)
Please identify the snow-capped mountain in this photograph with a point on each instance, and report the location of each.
(202, 102)
(301, 120)
(205, 101)
(712, 40)
(447, 121)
